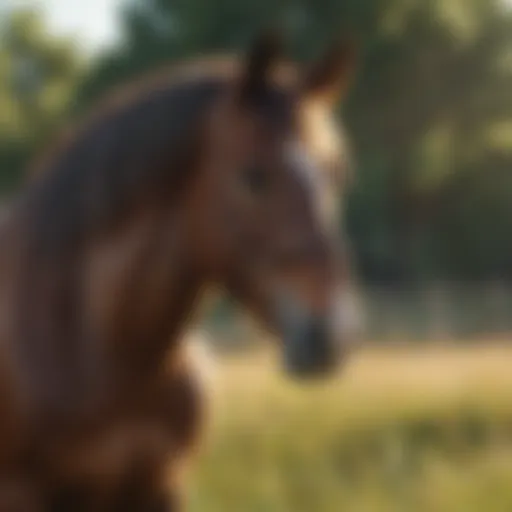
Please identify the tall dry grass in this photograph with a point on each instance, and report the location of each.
(400, 429)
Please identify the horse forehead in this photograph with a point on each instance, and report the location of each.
(303, 164)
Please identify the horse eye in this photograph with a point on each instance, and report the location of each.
(256, 180)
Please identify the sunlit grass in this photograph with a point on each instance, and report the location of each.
(398, 430)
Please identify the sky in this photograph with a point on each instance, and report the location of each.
(91, 22)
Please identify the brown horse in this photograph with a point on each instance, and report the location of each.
(210, 174)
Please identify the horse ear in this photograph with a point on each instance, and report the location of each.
(260, 61)
(329, 78)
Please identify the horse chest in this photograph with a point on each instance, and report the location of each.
(110, 456)
(152, 436)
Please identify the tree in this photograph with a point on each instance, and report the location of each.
(429, 116)
(38, 76)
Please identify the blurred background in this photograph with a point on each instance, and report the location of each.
(421, 419)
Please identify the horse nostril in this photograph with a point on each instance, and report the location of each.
(316, 332)
(321, 342)
(311, 350)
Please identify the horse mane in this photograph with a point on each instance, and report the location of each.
(123, 96)
(132, 149)
(189, 73)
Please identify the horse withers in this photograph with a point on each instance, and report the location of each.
(216, 173)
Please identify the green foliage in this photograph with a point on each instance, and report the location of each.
(431, 106)
(429, 117)
(38, 76)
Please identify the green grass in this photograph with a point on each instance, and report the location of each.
(399, 430)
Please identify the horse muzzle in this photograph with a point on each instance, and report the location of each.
(316, 345)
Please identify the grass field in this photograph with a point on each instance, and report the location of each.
(423, 430)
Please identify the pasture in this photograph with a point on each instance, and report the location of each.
(425, 429)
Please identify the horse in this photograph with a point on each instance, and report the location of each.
(206, 174)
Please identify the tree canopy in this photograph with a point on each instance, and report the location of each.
(430, 116)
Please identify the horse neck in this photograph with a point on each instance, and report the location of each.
(140, 290)
(102, 318)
